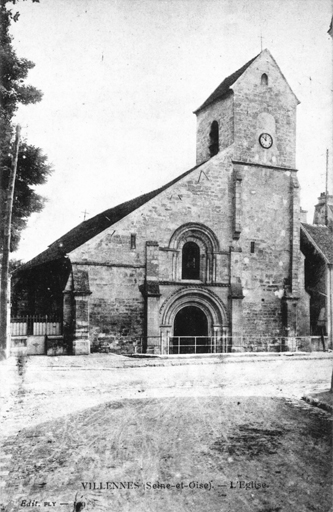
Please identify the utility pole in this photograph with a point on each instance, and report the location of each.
(7, 223)
(326, 191)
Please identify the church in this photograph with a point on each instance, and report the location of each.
(210, 262)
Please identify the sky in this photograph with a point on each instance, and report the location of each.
(121, 79)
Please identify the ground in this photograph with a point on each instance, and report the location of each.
(232, 434)
(326, 396)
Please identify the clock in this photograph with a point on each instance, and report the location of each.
(266, 140)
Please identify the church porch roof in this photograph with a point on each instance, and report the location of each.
(321, 237)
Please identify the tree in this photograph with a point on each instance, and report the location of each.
(13, 72)
(32, 164)
(32, 167)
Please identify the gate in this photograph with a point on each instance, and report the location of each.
(36, 325)
(30, 333)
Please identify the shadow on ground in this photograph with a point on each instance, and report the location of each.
(214, 453)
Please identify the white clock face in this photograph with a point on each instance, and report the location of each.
(266, 140)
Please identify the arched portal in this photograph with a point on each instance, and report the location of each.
(190, 331)
(182, 316)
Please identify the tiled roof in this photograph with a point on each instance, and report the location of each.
(224, 87)
(322, 239)
(92, 227)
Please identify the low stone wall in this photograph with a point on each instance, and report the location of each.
(39, 345)
(18, 346)
(112, 344)
(56, 346)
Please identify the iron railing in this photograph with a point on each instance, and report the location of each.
(36, 325)
(177, 345)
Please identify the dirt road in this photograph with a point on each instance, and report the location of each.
(228, 436)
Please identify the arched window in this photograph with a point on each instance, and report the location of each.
(214, 138)
(264, 79)
(191, 261)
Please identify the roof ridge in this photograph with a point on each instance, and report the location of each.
(141, 200)
(315, 225)
(86, 230)
(225, 85)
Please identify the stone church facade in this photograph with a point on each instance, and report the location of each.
(214, 254)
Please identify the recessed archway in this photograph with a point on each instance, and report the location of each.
(190, 331)
(204, 258)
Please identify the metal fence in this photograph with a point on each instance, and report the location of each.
(36, 325)
(177, 345)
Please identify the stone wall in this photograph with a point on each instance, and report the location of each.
(116, 271)
(265, 246)
(185, 202)
(116, 307)
(262, 318)
(267, 108)
(221, 111)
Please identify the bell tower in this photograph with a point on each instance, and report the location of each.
(253, 114)
(255, 110)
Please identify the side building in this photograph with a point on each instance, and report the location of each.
(317, 247)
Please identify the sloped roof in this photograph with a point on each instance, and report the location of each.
(321, 238)
(224, 87)
(94, 226)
